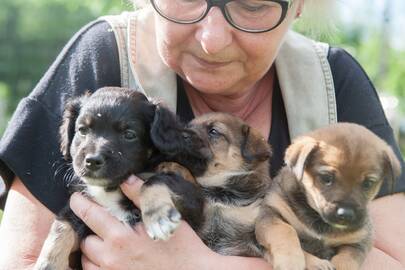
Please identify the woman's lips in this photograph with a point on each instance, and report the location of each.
(210, 64)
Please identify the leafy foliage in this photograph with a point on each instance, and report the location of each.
(384, 65)
(33, 32)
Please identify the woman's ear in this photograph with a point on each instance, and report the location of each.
(300, 7)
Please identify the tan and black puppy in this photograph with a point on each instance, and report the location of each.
(315, 216)
(229, 161)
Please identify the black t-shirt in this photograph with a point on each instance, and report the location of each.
(30, 145)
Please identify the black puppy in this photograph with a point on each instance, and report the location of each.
(105, 136)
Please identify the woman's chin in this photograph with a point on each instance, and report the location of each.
(222, 81)
(212, 85)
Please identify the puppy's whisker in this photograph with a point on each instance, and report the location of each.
(64, 171)
(60, 166)
(69, 177)
(81, 172)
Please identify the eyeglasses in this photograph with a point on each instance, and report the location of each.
(253, 16)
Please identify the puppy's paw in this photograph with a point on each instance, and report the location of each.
(292, 261)
(315, 263)
(162, 221)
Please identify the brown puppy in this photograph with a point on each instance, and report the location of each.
(316, 210)
(229, 161)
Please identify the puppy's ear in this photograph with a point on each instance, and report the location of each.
(148, 110)
(392, 168)
(254, 147)
(166, 130)
(298, 154)
(67, 129)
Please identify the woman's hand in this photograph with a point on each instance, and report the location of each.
(119, 246)
(389, 241)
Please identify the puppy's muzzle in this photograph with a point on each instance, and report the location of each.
(98, 164)
(345, 216)
(94, 162)
(195, 144)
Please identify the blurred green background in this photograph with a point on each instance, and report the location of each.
(33, 32)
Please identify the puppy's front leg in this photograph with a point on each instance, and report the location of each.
(280, 240)
(167, 167)
(159, 214)
(61, 241)
(315, 263)
(349, 257)
(163, 197)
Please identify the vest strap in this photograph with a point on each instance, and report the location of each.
(306, 84)
(119, 27)
(122, 25)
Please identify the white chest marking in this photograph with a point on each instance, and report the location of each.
(110, 201)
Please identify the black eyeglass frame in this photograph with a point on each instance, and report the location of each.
(285, 5)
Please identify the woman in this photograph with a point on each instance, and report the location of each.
(198, 56)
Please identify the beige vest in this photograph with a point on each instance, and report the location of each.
(302, 68)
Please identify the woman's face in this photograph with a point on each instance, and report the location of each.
(216, 58)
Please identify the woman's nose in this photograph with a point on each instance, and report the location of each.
(214, 33)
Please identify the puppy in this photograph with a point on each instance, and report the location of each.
(229, 161)
(315, 216)
(105, 136)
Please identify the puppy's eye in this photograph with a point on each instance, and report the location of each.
(83, 131)
(213, 133)
(368, 184)
(129, 135)
(327, 178)
(186, 136)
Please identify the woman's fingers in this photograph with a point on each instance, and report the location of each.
(95, 216)
(132, 189)
(88, 265)
(92, 249)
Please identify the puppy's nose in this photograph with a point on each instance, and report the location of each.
(94, 162)
(345, 215)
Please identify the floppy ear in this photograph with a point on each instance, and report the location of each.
(67, 129)
(166, 131)
(254, 147)
(146, 107)
(392, 168)
(148, 113)
(298, 153)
